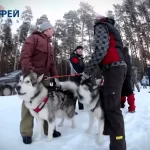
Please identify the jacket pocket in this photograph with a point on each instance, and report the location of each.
(40, 57)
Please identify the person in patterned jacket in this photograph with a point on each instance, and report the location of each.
(108, 55)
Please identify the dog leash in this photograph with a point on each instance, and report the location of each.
(70, 75)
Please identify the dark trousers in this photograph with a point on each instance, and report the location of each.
(127, 87)
(114, 123)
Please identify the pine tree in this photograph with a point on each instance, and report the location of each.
(23, 31)
(7, 46)
(87, 14)
(42, 19)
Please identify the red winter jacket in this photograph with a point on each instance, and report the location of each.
(37, 55)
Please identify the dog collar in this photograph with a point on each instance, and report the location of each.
(41, 105)
(102, 82)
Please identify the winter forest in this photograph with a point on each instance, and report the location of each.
(132, 20)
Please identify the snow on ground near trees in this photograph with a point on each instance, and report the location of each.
(137, 128)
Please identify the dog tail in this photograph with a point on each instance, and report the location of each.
(69, 85)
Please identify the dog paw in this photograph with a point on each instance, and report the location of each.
(73, 126)
(49, 139)
(60, 125)
(87, 131)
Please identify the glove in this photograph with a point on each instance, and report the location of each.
(84, 77)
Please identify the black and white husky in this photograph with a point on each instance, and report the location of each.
(46, 104)
(89, 95)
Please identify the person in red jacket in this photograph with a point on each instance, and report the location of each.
(77, 67)
(37, 55)
(108, 55)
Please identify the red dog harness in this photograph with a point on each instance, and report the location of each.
(41, 105)
(102, 82)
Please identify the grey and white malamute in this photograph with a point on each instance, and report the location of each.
(47, 104)
(89, 95)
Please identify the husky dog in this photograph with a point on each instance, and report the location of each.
(46, 104)
(89, 95)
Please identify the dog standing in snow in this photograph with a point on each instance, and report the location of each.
(45, 104)
(89, 96)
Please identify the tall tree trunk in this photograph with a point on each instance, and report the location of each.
(16, 54)
(1, 51)
(89, 41)
(82, 33)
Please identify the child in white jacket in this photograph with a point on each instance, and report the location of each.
(144, 82)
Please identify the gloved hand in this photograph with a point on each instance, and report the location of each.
(84, 77)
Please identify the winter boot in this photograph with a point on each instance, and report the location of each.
(131, 102)
(27, 139)
(123, 100)
(80, 106)
(56, 134)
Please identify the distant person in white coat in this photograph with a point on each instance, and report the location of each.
(144, 82)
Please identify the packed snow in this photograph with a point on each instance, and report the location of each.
(137, 127)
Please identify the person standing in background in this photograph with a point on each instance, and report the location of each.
(134, 80)
(77, 67)
(127, 90)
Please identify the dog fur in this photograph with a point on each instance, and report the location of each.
(31, 90)
(89, 96)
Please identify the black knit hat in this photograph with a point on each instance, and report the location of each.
(78, 47)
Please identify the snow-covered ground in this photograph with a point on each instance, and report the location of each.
(137, 128)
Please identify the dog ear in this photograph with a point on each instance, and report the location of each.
(40, 78)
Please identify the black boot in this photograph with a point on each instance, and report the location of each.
(27, 139)
(122, 105)
(56, 134)
(80, 106)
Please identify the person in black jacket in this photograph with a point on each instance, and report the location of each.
(127, 90)
(77, 66)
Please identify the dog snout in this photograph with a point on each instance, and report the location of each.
(18, 88)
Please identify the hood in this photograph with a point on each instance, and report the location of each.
(36, 32)
(105, 19)
(41, 34)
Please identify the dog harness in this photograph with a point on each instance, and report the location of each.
(41, 105)
(102, 82)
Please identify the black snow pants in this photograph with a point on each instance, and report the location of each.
(114, 122)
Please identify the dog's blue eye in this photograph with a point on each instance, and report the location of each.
(27, 81)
